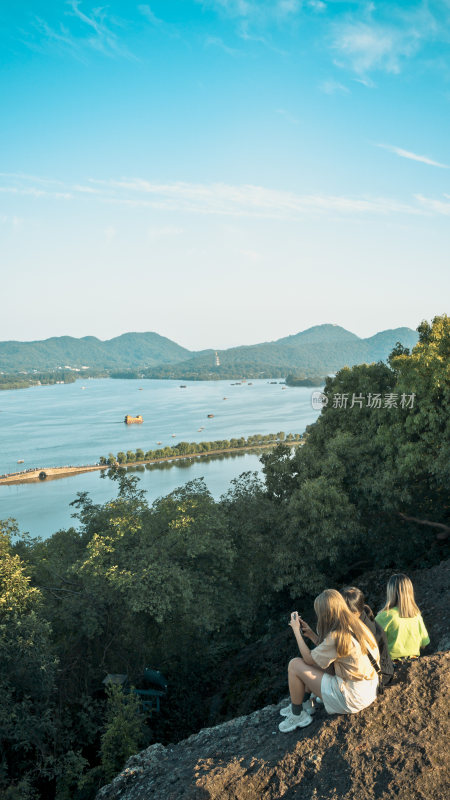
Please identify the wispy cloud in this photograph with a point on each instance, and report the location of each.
(383, 35)
(13, 222)
(333, 87)
(317, 5)
(216, 41)
(412, 156)
(34, 191)
(78, 33)
(161, 25)
(225, 200)
(146, 12)
(434, 206)
(255, 8)
(259, 12)
(369, 46)
(244, 200)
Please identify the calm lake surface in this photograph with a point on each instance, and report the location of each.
(50, 426)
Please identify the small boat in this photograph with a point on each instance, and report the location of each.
(83, 387)
(225, 398)
(130, 420)
(183, 386)
(141, 389)
(210, 416)
(158, 442)
(283, 387)
(250, 383)
(174, 435)
(20, 461)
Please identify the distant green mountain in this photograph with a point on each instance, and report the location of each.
(320, 350)
(128, 350)
(316, 351)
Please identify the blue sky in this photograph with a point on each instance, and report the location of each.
(223, 171)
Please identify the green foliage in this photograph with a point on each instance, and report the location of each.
(192, 448)
(124, 731)
(182, 584)
(27, 728)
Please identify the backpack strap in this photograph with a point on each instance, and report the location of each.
(377, 668)
(374, 663)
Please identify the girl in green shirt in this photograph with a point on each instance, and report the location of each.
(401, 619)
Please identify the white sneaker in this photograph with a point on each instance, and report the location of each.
(309, 706)
(294, 721)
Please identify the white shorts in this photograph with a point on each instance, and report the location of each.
(347, 697)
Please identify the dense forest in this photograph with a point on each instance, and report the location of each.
(320, 350)
(182, 585)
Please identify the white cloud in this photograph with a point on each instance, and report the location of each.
(85, 189)
(146, 12)
(412, 156)
(434, 206)
(368, 46)
(382, 36)
(80, 33)
(14, 222)
(216, 41)
(333, 87)
(242, 200)
(223, 199)
(317, 5)
(33, 191)
(255, 10)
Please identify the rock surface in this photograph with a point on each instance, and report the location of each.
(398, 747)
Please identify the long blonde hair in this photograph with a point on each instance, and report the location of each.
(400, 593)
(334, 616)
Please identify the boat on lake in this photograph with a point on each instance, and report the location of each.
(20, 461)
(130, 420)
(210, 416)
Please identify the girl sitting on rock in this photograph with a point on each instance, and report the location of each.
(356, 602)
(343, 642)
(402, 620)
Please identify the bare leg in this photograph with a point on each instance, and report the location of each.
(301, 676)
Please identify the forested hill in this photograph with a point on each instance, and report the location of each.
(320, 350)
(316, 351)
(129, 349)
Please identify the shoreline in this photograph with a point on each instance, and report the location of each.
(52, 473)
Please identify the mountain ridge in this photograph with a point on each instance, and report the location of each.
(318, 349)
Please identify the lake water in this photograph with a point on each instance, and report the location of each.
(62, 425)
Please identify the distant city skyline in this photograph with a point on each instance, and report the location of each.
(223, 172)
